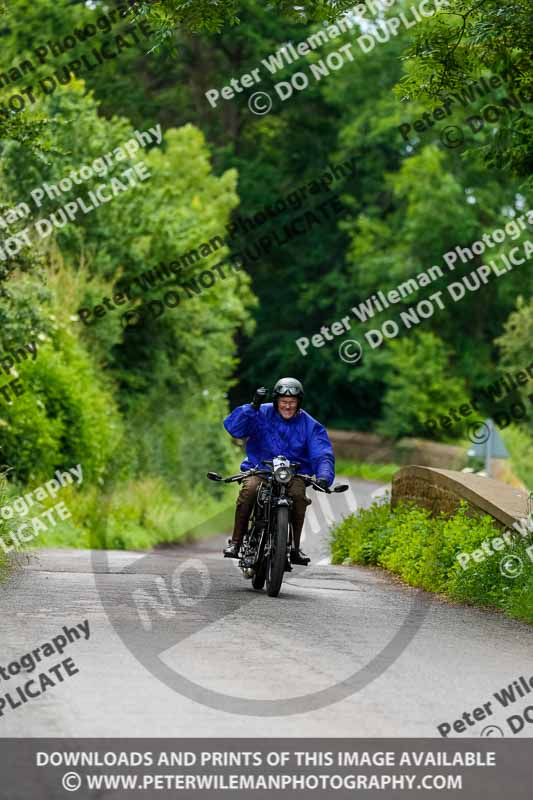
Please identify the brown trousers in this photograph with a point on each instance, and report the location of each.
(246, 500)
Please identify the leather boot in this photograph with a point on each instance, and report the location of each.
(232, 550)
(297, 555)
(240, 526)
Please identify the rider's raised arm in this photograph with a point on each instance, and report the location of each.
(242, 421)
(321, 453)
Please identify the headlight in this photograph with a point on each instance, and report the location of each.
(282, 475)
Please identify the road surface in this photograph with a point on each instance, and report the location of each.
(179, 645)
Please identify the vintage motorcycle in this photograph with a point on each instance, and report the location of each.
(265, 551)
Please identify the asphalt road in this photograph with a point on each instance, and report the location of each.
(180, 645)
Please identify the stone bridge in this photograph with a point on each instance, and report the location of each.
(443, 489)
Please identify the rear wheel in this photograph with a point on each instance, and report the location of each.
(278, 554)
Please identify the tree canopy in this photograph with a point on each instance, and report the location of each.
(366, 143)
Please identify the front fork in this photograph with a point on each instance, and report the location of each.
(246, 563)
(283, 500)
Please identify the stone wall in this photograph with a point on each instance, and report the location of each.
(442, 490)
(358, 446)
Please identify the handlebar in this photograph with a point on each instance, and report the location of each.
(308, 479)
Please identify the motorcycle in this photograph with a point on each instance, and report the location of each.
(265, 551)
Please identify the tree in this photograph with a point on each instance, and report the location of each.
(200, 16)
(421, 386)
(469, 39)
(516, 344)
(170, 376)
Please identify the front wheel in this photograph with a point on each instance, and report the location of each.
(278, 553)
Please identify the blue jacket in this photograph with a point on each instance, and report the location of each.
(301, 439)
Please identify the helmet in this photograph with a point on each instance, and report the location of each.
(287, 387)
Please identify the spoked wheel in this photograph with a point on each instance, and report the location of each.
(278, 554)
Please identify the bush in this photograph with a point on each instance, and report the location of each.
(135, 515)
(140, 409)
(519, 441)
(423, 551)
(66, 416)
(147, 512)
(361, 543)
(10, 548)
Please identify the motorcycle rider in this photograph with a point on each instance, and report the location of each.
(279, 428)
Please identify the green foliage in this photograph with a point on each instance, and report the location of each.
(516, 346)
(365, 470)
(465, 41)
(67, 413)
(423, 551)
(153, 398)
(405, 207)
(519, 442)
(7, 526)
(132, 406)
(516, 341)
(359, 540)
(394, 226)
(203, 15)
(64, 417)
(420, 385)
(139, 514)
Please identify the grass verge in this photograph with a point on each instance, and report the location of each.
(422, 550)
(382, 473)
(133, 515)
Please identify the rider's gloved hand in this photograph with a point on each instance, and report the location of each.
(322, 482)
(259, 397)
